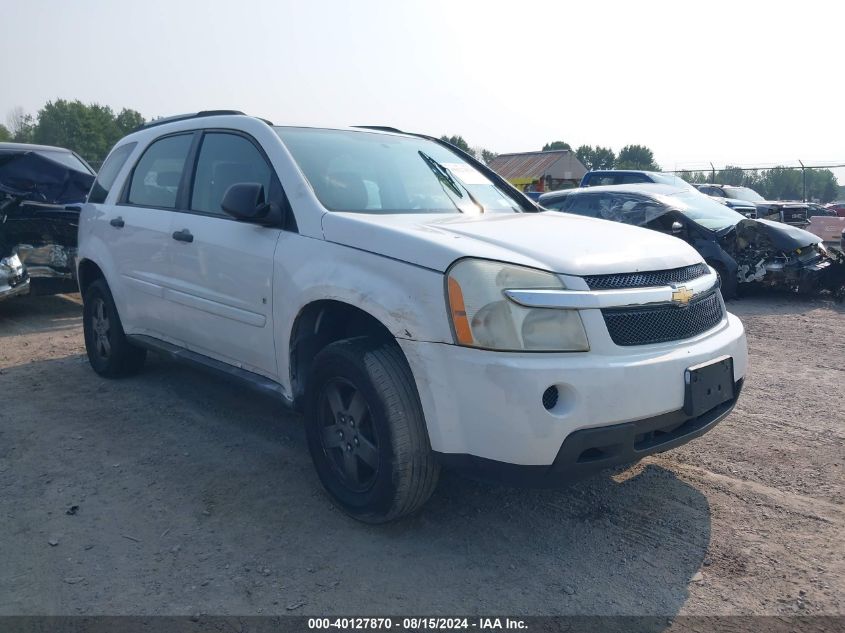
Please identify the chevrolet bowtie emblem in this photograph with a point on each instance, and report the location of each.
(682, 295)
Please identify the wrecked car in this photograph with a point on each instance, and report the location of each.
(739, 249)
(39, 186)
(601, 177)
(794, 213)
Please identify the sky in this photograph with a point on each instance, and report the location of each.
(742, 82)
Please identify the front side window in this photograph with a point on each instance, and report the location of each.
(155, 181)
(108, 173)
(702, 210)
(368, 172)
(225, 160)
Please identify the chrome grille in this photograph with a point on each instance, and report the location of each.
(646, 279)
(659, 324)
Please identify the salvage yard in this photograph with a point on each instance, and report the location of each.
(178, 493)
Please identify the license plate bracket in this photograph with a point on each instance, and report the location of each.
(708, 385)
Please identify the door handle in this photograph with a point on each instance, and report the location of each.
(183, 236)
(117, 223)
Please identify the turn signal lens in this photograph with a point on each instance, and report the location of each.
(463, 333)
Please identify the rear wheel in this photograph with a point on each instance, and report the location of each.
(110, 353)
(366, 430)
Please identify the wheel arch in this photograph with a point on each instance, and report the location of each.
(86, 273)
(320, 323)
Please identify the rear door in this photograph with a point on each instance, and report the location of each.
(220, 287)
(138, 228)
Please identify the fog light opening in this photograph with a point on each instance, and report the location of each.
(550, 397)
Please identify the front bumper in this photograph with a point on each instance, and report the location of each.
(7, 291)
(489, 404)
(819, 273)
(590, 451)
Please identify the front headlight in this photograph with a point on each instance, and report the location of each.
(482, 316)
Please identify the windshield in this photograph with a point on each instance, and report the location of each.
(369, 172)
(702, 210)
(67, 159)
(743, 193)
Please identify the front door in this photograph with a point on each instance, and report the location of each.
(221, 281)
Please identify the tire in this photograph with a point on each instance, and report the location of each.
(729, 284)
(110, 354)
(366, 430)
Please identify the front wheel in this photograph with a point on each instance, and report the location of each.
(366, 430)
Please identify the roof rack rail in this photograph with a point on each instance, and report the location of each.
(192, 115)
(379, 128)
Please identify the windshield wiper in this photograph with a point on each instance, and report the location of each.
(441, 172)
(444, 176)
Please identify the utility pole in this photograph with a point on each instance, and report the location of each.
(712, 174)
(804, 179)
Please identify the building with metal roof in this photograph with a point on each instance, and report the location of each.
(539, 171)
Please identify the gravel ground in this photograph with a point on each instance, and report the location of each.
(178, 493)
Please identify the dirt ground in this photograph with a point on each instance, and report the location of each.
(178, 493)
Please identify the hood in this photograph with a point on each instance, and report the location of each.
(733, 203)
(782, 236)
(32, 177)
(559, 242)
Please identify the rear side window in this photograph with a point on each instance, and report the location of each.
(155, 181)
(108, 173)
(225, 160)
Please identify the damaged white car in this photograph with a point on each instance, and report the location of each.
(419, 310)
(41, 190)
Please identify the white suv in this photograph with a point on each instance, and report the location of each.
(419, 309)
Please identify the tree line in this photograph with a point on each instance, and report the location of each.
(598, 157)
(92, 129)
(777, 183)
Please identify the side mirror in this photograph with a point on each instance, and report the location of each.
(677, 227)
(245, 201)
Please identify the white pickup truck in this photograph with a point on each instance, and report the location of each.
(418, 309)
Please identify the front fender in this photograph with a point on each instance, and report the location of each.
(407, 300)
